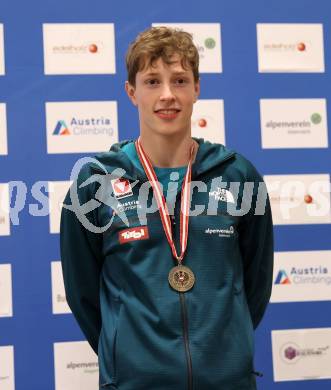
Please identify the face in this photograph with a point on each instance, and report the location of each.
(164, 95)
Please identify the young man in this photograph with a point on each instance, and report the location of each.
(169, 294)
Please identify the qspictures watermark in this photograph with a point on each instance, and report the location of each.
(239, 198)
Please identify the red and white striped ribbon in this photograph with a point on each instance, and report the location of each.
(162, 205)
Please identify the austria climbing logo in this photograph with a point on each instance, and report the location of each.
(61, 128)
(304, 276)
(282, 278)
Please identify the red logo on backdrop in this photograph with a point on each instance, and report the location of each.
(301, 46)
(308, 199)
(133, 234)
(122, 188)
(202, 122)
(93, 48)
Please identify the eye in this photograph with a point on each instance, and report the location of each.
(152, 82)
(180, 81)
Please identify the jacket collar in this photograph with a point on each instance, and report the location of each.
(208, 156)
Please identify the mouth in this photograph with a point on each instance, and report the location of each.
(168, 113)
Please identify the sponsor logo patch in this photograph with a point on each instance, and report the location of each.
(122, 188)
(221, 232)
(133, 234)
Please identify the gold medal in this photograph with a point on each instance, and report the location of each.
(181, 278)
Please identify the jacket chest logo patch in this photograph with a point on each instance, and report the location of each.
(223, 195)
(133, 234)
(225, 232)
(121, 187)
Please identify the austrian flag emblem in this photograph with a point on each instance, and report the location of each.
(122, 188)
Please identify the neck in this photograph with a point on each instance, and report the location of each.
(167, 152)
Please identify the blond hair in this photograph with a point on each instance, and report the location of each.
(161, 42)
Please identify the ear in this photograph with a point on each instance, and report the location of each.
(196, 90)
(131, 92)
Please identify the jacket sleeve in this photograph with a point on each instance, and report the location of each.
(256, 245)
(81, 258)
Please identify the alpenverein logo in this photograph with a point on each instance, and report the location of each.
(316, 118)
(302, 126)
(225, 232)
(210, 43)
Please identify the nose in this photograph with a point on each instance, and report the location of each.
(167, 92)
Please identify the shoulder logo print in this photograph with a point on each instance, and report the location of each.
(223, 195)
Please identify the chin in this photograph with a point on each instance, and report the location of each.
(169, 132)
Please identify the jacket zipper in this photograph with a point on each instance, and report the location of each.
(184, 312)
(185, 326)
(186, 340)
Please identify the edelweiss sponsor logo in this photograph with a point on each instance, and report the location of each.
(223, 195)
(299, 199)
(221, 232)
(286, 47)
(208, 120)
(79, 48)
(86, 47)
(133, 234)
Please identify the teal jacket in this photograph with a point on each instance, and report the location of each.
(147, 335)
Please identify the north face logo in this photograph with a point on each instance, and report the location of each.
(223, 195)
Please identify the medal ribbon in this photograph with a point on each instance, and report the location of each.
(162, 205)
